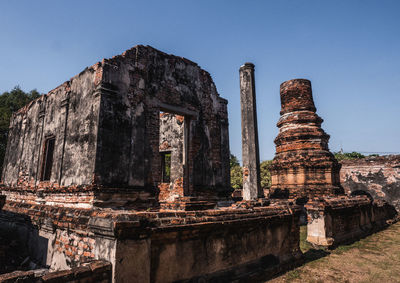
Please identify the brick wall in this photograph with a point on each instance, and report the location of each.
(56, 237)
(142, 82)
(303, 166)
(165, 246)
(75, 247)
(377, 176)
(106, 129)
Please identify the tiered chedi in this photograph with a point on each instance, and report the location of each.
(303, 166)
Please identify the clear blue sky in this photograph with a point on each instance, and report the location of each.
(350, 50)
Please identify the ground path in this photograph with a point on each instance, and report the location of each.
(375, 258)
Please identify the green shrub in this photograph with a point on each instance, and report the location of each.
(348, 155)
(237, 173)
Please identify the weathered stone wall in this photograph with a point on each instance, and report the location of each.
(332, 221)
(377, 176)
(56, 237)
(140, 83)
(221, 248)
(106, 126)
(68, 113)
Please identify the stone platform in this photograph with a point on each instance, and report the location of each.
(158, 246)
(336, 220)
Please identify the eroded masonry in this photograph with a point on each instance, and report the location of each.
(102, 138)
(128, 162)
(303, 166)
(375, 176)
(121, 174)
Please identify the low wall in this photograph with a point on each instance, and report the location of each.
(159, 246)
(220, 247)
(55, 237)
(92, 272)
(378, 176)
(332, 221)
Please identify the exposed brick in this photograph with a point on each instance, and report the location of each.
(303, 166)
(138, 86)
(377, 176)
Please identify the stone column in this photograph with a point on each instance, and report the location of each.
(250, 151)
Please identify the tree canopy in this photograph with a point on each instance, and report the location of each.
(237, 173)
(11, 101)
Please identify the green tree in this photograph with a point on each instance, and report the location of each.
(236, 173)
(265, 174)
(234, 161)
(9, 103)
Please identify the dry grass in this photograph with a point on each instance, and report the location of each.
(373, 259)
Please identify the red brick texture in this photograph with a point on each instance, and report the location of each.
(303, 166)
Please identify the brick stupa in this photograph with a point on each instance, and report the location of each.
(303, 166)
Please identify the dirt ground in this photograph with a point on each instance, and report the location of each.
(375, 258)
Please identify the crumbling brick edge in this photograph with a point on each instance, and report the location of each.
(94, 271)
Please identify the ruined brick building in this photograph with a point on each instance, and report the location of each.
(304, 171)
(121, 174)
(378, 177)
(101, 139)
(128, 162)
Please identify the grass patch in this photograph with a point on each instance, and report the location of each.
(344, 248)
(292, 275)
(304, 245)
(375, 258)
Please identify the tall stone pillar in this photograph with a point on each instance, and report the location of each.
(250, 151)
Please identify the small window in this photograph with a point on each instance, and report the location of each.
(47, 162)
(166, 166)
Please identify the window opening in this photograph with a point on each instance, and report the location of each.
(47, 162)
(166, 166)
